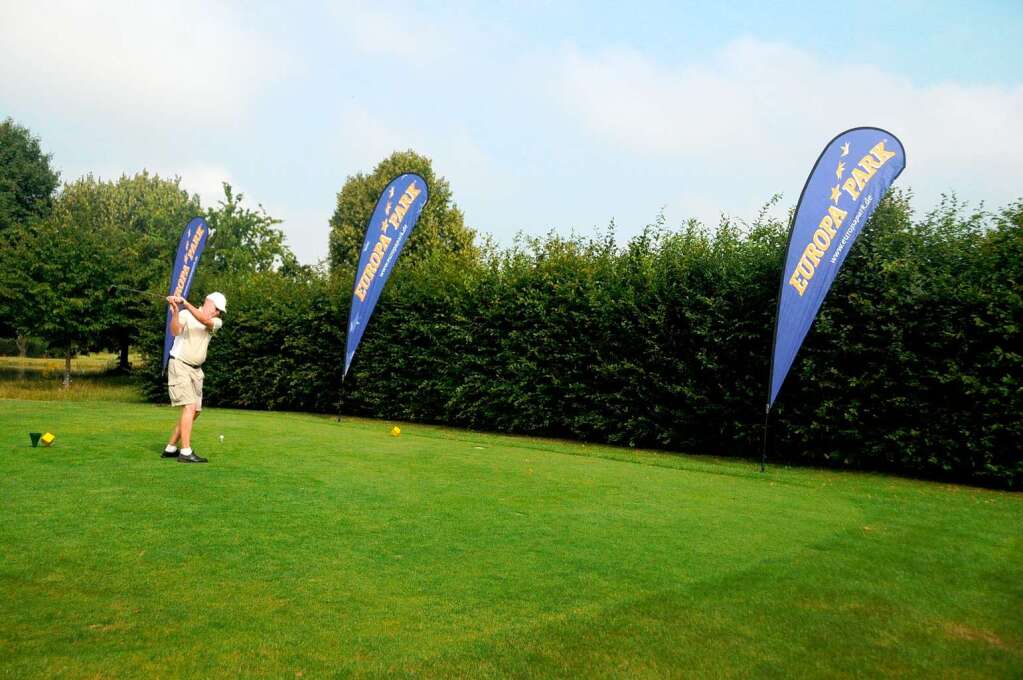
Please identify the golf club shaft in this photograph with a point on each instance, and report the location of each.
(155, 296)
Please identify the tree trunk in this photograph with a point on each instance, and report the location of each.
(22, 341)
(67, 368)
(122, 364)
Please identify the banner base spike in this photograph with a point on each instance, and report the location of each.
(340, 400)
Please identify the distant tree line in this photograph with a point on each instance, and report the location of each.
(64, 247)
(913, 365)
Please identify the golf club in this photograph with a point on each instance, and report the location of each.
(150, 294)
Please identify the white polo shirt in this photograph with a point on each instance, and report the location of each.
(191, 343)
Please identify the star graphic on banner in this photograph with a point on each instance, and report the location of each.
(387, 208)
(835, 194)
(840, 169)
(845, 149)
(391, 194)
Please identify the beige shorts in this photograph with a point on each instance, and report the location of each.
(184, 384)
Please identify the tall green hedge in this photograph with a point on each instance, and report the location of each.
(914, 364)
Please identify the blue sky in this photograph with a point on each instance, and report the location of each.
(542, 115)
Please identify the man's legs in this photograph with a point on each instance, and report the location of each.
(189, 412)
(184, 428)
(185, 387)
(176, 434)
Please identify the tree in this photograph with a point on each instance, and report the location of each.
(27, 182)
(99, 233)
(59, 285)
(145, 220)
(27, 185)
(244, 240)
(143, 216)
(441, 225)
(12, 287)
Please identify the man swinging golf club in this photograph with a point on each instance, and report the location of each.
(192, 328)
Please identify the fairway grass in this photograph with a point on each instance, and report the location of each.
(311, 548)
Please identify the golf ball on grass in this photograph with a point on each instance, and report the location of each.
(221, 439)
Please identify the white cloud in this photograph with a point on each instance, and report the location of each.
(393, 30)
(305, 230)
(477, 180)
(763, 111)
(367, 139)
(186, 61)
(203, 179)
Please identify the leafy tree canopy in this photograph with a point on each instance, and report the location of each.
(441, 225)
(244, 240)
(27, 182)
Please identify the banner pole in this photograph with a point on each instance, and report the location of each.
(763, 449)
(340, 399)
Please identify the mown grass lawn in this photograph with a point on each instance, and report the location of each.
(309, 548)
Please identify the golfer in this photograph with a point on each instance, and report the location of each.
(192, 328)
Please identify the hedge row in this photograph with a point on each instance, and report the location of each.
(914, 364)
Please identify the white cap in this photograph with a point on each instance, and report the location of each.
(219, 301)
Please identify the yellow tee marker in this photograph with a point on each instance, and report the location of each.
(395, 431)
(47, 438)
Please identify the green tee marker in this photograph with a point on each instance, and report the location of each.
(34, 436)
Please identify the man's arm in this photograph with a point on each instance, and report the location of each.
(199, 315)
(175, 324)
